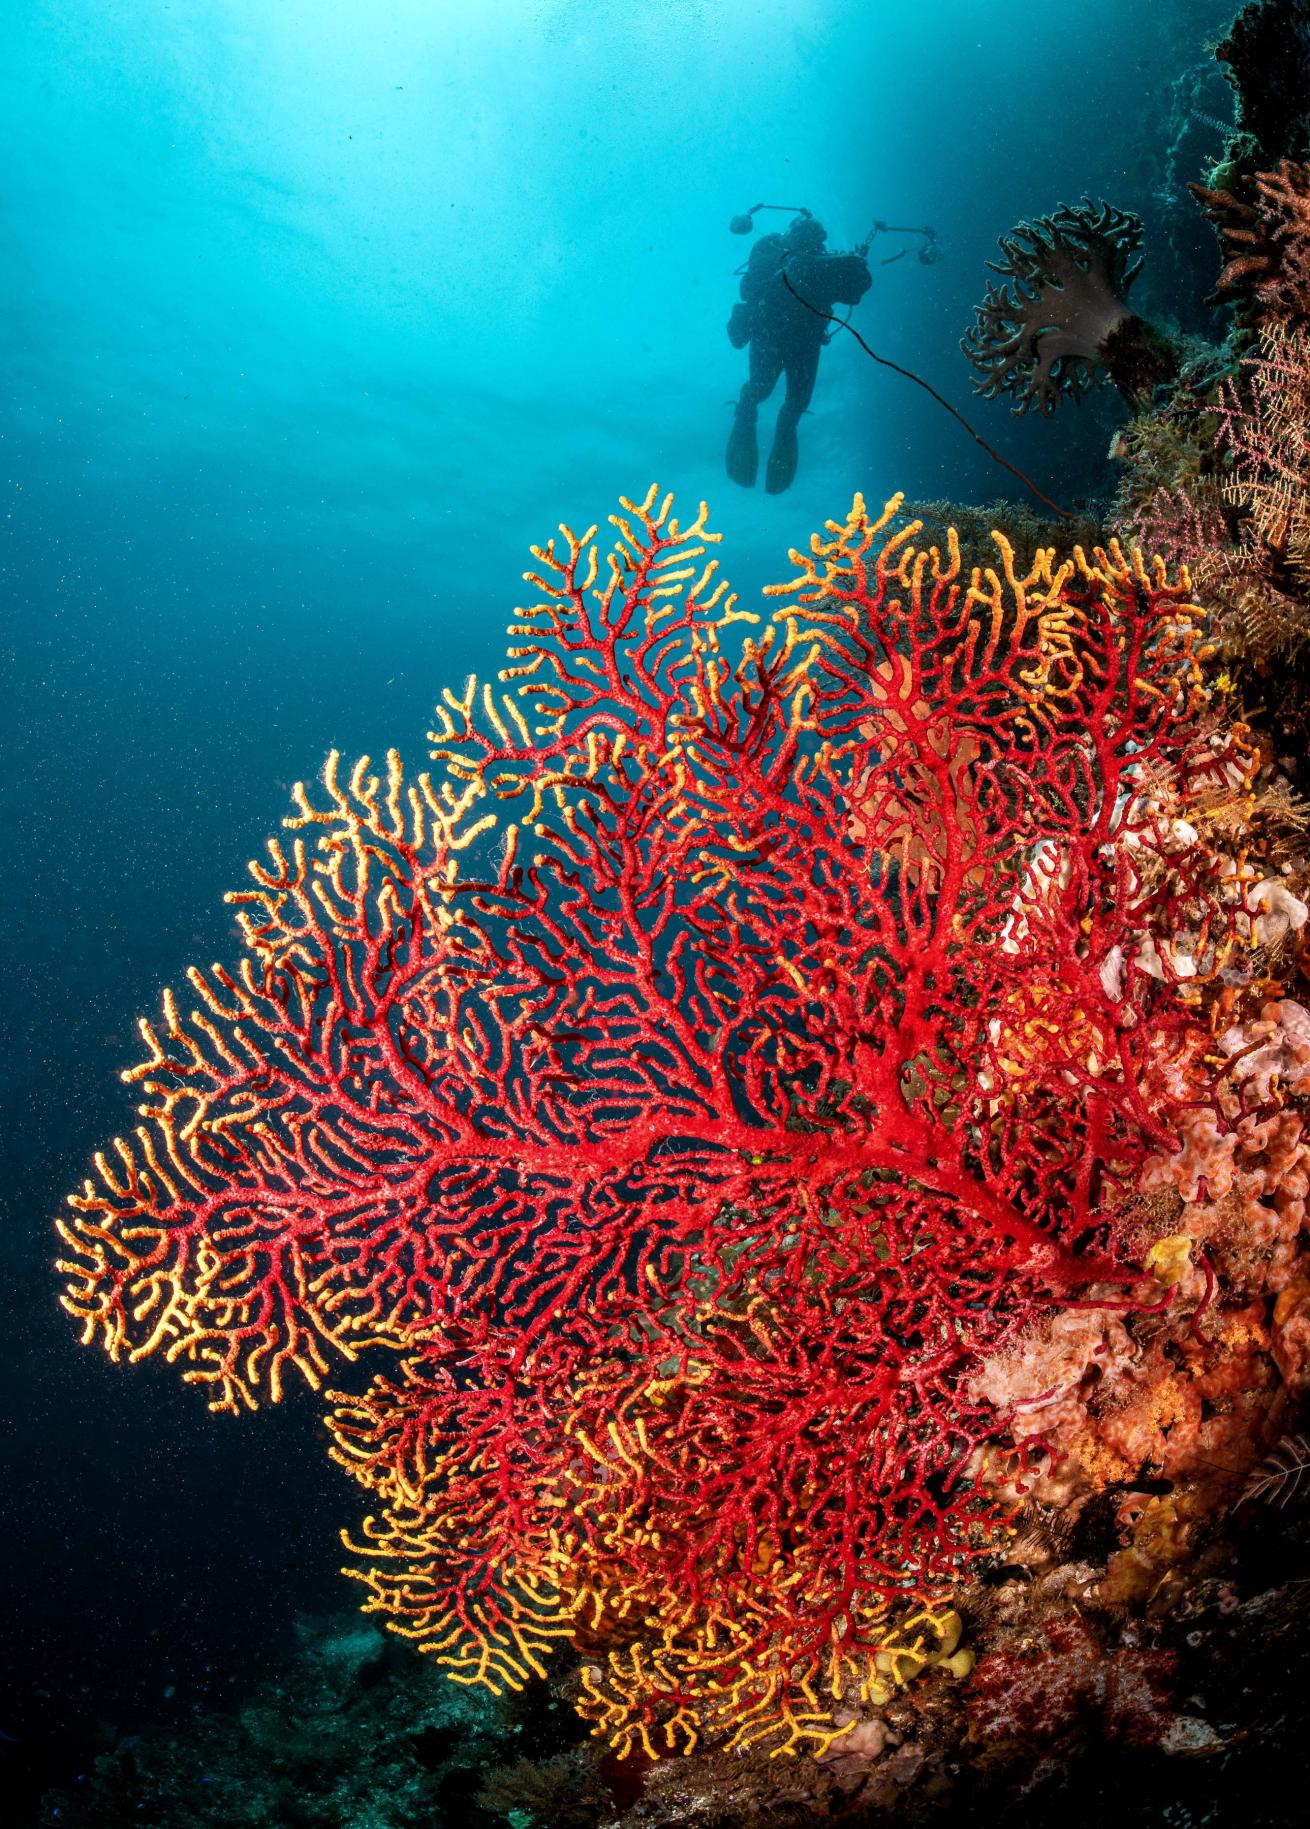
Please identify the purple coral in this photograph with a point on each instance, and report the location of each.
(1061, 324)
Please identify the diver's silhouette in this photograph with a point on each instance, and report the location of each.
(785, 337)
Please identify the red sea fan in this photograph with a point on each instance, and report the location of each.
(792, 1049)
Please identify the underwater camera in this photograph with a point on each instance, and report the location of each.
(743, 224)
(929, 253)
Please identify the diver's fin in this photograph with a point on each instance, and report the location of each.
(782, 460)
(743, 453)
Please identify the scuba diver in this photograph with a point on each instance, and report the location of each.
(785, 336)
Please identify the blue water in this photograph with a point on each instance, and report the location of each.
(318, 312)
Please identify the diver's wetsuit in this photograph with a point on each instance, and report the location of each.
(785, 338)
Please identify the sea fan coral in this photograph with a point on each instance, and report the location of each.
(793, 1051)
(1268, 444)
(1265, 438)
(1059, 323)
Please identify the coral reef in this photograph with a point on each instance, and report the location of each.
(805, 1115)
(1265, 236)
(1026, 530)
(1170, 498)
(349, 1732)
(1266, 57)
(1219, 483)
(1216, 479)
(1266, 438)
(345, 1731)
(1059, 323)
(1162, 1432)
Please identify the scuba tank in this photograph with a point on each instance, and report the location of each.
(761, 271)
(761, 267)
